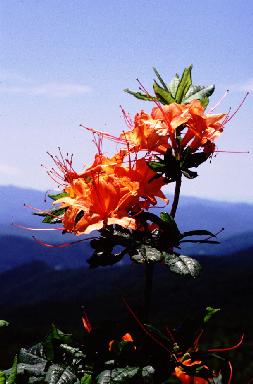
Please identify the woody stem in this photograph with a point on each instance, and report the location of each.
(176, 196)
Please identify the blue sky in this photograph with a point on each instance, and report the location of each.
(66, 62)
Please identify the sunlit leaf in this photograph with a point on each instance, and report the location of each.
(184, 85)
(58, 195)
(161, 79)
(182, 265)
(164, 96)
(209, 313)
(140, 95)
(3, 323)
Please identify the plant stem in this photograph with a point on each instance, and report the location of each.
(176, 196)
(149, 272)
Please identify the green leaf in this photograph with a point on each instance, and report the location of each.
(118, 375)
(140, 95)
(182, 265)
(2, 377)
(53, 216)
(86, 379)
(209, 313)
(147, 374)
(3, 323)
(173, 85)
(161, 79)
(189, 174)
(55, 335)
(194, 159)
(59, 375)
(58, 195)
(164, 96)
(146, 253)
(184, 85)
(173, 228)
(198, 92)
(13, 374)
(157, 166)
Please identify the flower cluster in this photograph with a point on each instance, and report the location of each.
(116, 190)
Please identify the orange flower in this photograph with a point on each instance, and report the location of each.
(148, 134)
(109, 193)
(127, 338)
(199, 129)
(186, 379)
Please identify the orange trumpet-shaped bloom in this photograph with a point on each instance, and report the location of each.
(109, 193)
(186, 379)
(148, 134)
(198, 129)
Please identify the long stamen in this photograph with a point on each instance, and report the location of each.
(41, 242)
(219, 101)
(237, 109)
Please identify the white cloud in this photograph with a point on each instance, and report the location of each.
(246, 86)
(9, 170)
(14, 83)
(47, 89)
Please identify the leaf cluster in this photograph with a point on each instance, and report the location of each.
(179, 90)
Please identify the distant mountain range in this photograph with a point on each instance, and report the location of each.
(17, 246)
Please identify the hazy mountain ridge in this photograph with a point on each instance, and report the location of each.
(18, 247)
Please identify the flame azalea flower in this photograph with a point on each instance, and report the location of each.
(148, 134)
(200, 129)
(186, 379)
(127, 338)
(108, 193)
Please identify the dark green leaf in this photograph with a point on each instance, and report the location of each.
(58, 195)
(146, 253)
(198, 232)
(174, 232)
(118, 375)
(55, 335)
(182, 265)
(198, 92)
(189, 174)
(157, 166)
(59, 375)
(194, 159)
(147, 374)
(160, 79)
(184, 85)
(200, 241)
(140, 95)
(164, 96)
(209, 313)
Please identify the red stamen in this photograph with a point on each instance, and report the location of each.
(36, 229)
(228, 348)
(231, 372)
(219, 101)
(142, 326)
(228, 118)
(63, 245)
(104, 134)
